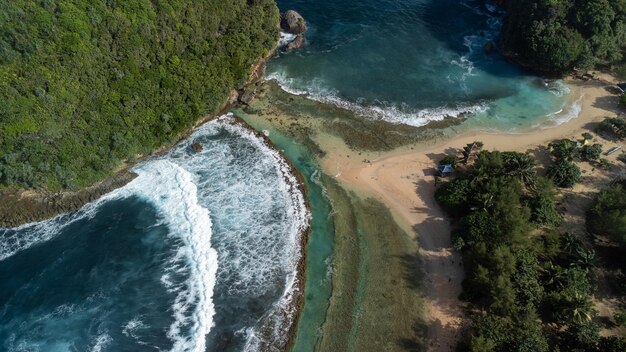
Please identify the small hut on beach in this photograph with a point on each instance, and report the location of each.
(470, 152)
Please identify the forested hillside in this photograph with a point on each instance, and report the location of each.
(85, 85)
(556, 36)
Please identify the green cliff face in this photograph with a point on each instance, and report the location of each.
(85, 85)
(556, 36)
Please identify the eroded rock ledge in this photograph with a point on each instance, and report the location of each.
(24, 206)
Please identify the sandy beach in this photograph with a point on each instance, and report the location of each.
(404, 181)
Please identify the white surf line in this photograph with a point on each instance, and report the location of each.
(172, 190)
(390, 113)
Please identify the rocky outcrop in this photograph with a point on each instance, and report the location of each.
(297, 43)
(19, 207)
(292, 22)
(196, 147)
(248, 95)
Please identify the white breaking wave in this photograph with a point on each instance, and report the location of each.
(558, 88)
(285, 38)
(285, 252)
(172, 190)
(390, 113)
(101, 341)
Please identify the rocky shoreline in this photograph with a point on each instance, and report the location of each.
(18, 207)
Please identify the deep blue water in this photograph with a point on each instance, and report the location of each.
(412, 61)
(198, 253)
(98, 280)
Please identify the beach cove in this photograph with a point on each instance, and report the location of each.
(302, 216)
(405, 275)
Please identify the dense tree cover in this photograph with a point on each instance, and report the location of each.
(528, 285)
(608, 213)
(86, 85)
(556, 36)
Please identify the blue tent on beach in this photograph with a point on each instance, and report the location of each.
(445, 170)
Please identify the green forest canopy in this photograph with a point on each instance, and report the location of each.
(528, 286)
(85, 85)
(556, 36)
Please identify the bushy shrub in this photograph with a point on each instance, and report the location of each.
(453, 196)
(565, 149)
(449, 160)
(613, 127)
(565, 174)
(591, 152)
(607, 216)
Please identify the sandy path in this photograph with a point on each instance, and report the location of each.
(404, 181)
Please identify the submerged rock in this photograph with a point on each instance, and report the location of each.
(292, 22)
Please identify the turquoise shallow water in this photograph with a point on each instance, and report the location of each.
(319, 247)
(413, 61)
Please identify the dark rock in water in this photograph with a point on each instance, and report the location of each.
(297, 43)
(196, 147)
(292, 22)
(247, 96)
(489, 47)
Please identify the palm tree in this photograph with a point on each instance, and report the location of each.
(586, 258)
(581, 310)
(571, 244)
(483, 201)
(521, 166)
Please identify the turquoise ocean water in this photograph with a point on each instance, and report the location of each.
(414, 61)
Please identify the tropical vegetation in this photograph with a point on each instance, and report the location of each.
(86, 85)
(607, 216)
(613, 128)
(529, 286)
(558, 36)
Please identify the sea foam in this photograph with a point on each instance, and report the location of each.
(255, 253)
(172, 190)
(384, 111)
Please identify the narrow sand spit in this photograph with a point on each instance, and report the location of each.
(404, 181)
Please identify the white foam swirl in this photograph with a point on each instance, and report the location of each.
(172, 190)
